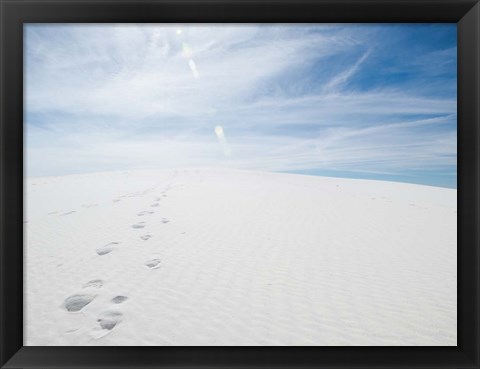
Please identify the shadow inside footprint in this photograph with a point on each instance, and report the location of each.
(95, 283)
(153, 264)
(154, 205)
(119, 299)
(139, 225)
(77, 302)
(109, 319)
(165, 220)
(145, 237)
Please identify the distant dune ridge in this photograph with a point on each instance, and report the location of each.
(231, 257)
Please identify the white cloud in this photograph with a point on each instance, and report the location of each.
(127, 96)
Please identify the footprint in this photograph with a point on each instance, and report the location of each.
(103, 250)
(139, 225)
(119, 299)
(76, 303)
(109, 319)
(155, 205)
(165, 220)
(145, 237)
(145, 212)
(153, 264)
(68, 213)
(95, 283)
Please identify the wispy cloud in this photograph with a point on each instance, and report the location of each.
(289, 98)
(342, 78)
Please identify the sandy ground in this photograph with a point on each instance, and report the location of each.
(227, 257)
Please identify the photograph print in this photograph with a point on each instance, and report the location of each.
(240, 184)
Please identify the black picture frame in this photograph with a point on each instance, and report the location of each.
(14, 13)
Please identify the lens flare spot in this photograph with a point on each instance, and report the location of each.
(219, 131)
(193, 68)
(187, 51)
(179, 31)
(227, 151)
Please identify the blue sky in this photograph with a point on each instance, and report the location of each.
(358, 101)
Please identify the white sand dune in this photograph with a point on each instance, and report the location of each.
(228, 257)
